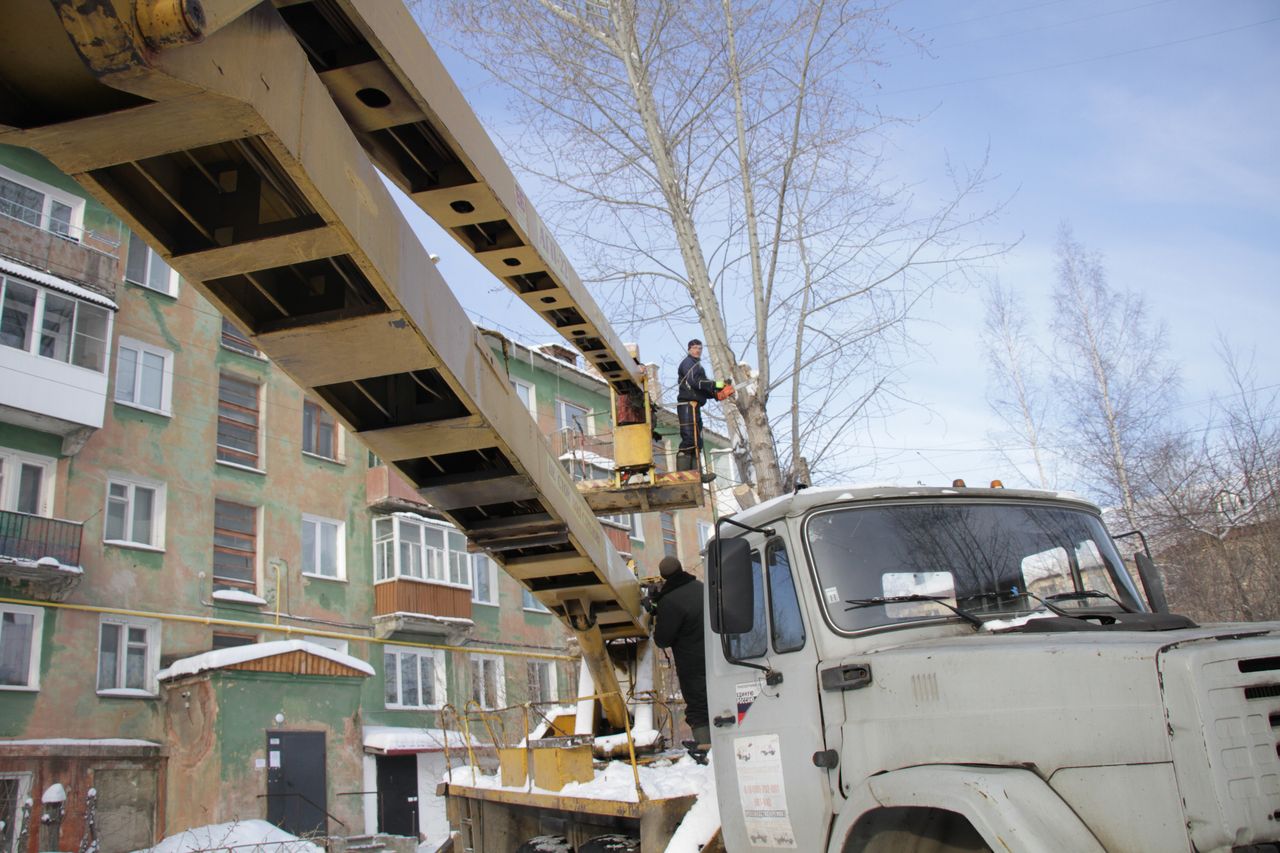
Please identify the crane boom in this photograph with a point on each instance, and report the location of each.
(241, 158)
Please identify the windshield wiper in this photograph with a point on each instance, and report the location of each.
(1088, 593)
(856, 603)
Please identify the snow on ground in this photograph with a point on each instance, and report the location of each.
(701, 821)
(660, 780)
(642, 738)
(240, 654)
(235, 837)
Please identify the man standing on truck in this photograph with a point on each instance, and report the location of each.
(694, 390)
(678, 614)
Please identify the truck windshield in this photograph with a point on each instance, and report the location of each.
(982, 557)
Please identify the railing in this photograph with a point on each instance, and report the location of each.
(91, 240)
(32, 537)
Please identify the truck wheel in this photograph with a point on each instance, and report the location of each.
(914, 830)
(611, 844)
(546, 844)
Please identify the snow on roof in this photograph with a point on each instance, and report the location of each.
(47, 563)
(397, 739)
(219, 658)
(55, 793)
(660, 781)
(48, 280)
(587, 457)
(238, 595)
(78, 741)
(256, 835)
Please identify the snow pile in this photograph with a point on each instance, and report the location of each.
(1016, 622)
(54, 794)
(550, 844)
(660, 780)
(641, 737)
(254, 651)
(701, 821)
(239, 596)
(257, 835)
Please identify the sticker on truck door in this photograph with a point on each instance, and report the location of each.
(745, 694)
(763, 795)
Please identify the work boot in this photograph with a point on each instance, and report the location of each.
(686, 460)
(702, 735)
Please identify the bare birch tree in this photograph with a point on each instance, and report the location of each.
(715, 164)
(1114, 384)
(1016, 392)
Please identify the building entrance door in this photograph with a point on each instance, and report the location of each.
(398, 794)
(296, 782)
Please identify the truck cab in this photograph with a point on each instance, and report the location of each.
(956, 669)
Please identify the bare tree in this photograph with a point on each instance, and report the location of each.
(716, 165)
(1114, 383)
(1016, 393)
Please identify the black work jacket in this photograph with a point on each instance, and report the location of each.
(694, 384)
(679, 623)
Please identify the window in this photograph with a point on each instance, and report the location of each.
(414, 678)
(487, 681)
(484, 573)
(144, 376)
(541, 676)
(53, 325)
(235, 545)
(572, 417)
(319, 431)
(135, 513)
(784, 606)
(144, 267)
(15, 789)
(528, 602)
(231, 641)
(238, 421)
(526, 394)
(755, 642)
(26, 482)
(233, 339)
(670, 544)
(128, 656)
(705, 531)
(636, 523)
(323, 547)
(41, 205)
(410, 546)
(21, 629)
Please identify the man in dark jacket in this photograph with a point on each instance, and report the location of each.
(694, 390)
(679, 627)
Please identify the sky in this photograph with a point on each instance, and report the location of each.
(1151, 127)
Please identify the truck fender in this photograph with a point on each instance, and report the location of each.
(1012, 809)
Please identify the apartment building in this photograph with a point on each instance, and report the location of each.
(214, 603)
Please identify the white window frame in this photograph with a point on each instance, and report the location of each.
(37, 324)
(24, 793)
(588, 416)
(439, 681)
(481, 563)
(37, 637)
(52, 194)
(124, 623)
(166, 382)
(636, 524)
(339, 547)
(553, 680)
(517, 384)
(500, 682)
(11, 462)
(438, 564)
(157, 509)
(151, 257)
(705, 531)
(529, 604)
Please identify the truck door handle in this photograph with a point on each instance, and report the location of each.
(849, 676)
(725, 720)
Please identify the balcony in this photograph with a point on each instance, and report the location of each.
(386, 491)
(40, 556)
(61, 248)
(408, 606)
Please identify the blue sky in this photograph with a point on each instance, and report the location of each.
(1150, 126)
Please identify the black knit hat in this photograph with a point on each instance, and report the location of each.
(669, 566)
(693, 343)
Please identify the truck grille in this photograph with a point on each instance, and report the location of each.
(1223, 705)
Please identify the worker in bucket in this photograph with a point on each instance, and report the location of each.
(694, 390)
(678, 626)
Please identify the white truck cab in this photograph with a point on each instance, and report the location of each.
(956, 669)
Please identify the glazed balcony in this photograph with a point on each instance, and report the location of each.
(40, 556)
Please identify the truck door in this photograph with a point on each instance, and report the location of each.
(764, 735)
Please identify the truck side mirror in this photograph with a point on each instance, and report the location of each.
(731, 586)
(1151, 582)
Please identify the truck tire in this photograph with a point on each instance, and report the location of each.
(914, 830)
(614, 843)
(546, 844)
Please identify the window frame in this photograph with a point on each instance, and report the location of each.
(705, 531)
(772, 547)
(9, 486)
(500, 680)
(338, 456)
(37, 639)
(532, 403)
(258, 463)
(437, 562)
(339, 547)
(124, 624)
(477, 560)
(530, 604)
(636, 531)
(236, 583)
(553, 679)
(149, 258)
(589, 421)
(36, 329)
(670, 547)
(233, 340)
(159, 497)
(440, 681)
(166, 378)
(51, 194)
